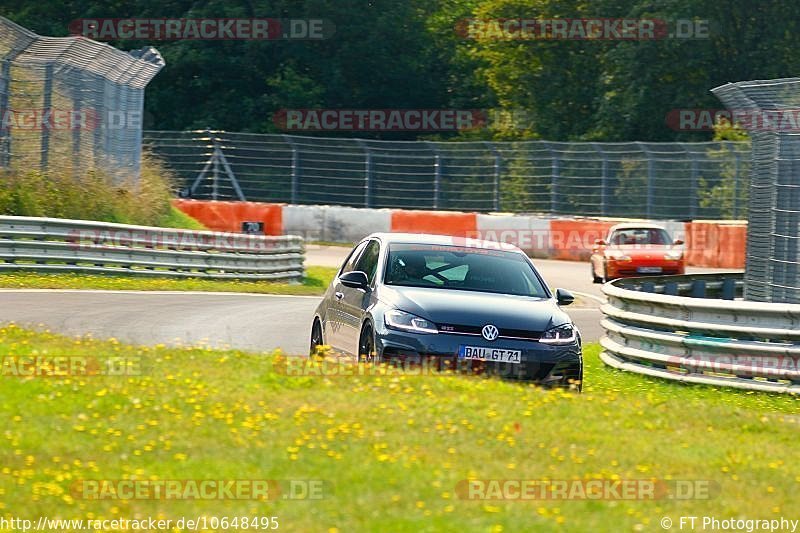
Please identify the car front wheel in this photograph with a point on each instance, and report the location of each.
(366, 346)
(316, 337)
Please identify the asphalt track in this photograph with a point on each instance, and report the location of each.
(246, 321)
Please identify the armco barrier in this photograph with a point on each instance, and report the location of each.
(653, 327)
(60, 245)
(228, 216)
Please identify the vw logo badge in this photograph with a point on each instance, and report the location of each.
(489, 332)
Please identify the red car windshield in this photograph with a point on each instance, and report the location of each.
(639, 236)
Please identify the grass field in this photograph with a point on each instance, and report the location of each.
(390, 449)
(315, 282)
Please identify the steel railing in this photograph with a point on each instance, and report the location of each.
(654, 326)
(61, 245)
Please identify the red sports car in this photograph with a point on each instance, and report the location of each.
(636, 249)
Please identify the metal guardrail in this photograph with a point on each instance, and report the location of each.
(61, 245)
(654, 327)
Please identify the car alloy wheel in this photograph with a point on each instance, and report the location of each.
(366, 346)
(316, 337)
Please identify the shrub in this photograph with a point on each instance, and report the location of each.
(94, 195)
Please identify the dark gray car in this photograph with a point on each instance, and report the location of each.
(465, 303)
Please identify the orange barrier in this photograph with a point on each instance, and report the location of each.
(437, 222)
(702, 243)
(228, 216)
(732, 245)
(572, 240)
(716, 244)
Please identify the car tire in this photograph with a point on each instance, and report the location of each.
(595, 279)
(316, 337)
(366, 346)
(605, 278)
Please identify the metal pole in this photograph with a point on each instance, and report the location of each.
(693, 175)
(5, 132)
(77, 103)
(295, 169)
(736, 186)
(650, 179)
(215, 170)
(496, 180)
(437, 174)
(46, 108)
(231, 176)
(603, 180)
(367, 173)
(555, 174)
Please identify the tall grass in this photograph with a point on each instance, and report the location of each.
(94, 195)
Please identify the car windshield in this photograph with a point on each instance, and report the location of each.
(641, 236)
(461, 268)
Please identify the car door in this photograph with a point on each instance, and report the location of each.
(354, 302)
(333, 312)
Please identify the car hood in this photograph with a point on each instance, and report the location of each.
(448, 306)
(639, 251)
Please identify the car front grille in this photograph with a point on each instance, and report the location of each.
(504, 333)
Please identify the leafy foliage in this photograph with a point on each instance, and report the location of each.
(388, 54)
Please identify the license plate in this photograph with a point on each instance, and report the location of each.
(499, 355)
(649, 270)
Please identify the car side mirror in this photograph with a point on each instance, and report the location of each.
(677, 242)
(355, 279)
(564, 297)
(600, 242)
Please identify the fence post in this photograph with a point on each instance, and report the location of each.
(295, 169)
(496, 182)
(693, 175)
(555, 174)
(650, 177)
(77, 103)
(214, 169)
(5, 132)
(735, 185)
(437, 174)
(46, 108)
(603, 180)
(367, 173)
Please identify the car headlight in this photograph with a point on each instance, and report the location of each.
(619, 256)
(673, 256)
(397, 319)
(563, 334)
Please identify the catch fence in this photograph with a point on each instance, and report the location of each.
(653, 180)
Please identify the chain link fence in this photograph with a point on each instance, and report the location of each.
(71, 103)
(773, 257)
(652, 180)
